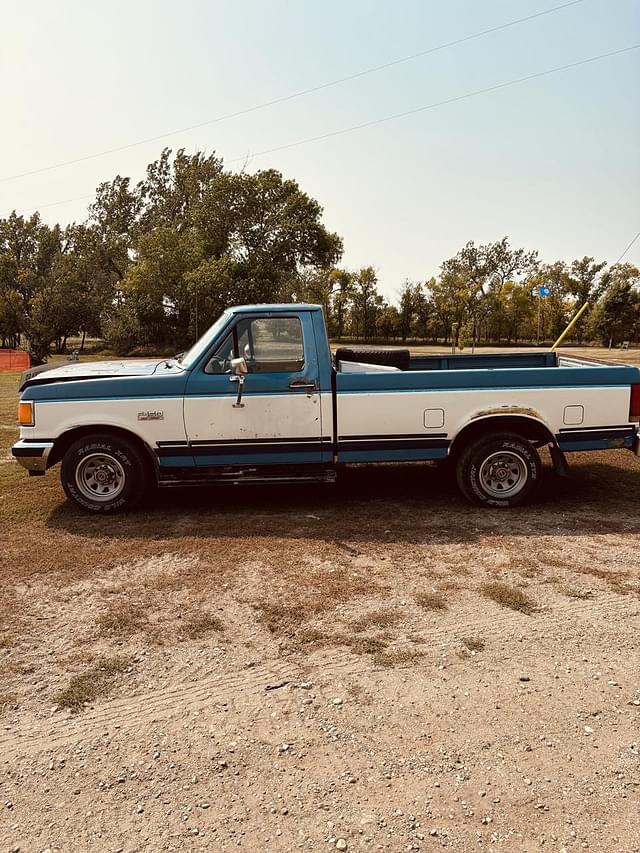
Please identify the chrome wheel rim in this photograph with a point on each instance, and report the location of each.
(100, 477)
(503, 474)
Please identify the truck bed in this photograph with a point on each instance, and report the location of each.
(394, 414)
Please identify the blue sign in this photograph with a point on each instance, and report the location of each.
(544, 291)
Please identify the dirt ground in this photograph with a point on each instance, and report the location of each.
(373, 666)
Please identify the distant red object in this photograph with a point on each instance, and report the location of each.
(11, 359)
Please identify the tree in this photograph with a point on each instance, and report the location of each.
(32, 293)
(343, 290)
(519, 311)
(389, 322)
(477, 275)
(203, 238)
(585, 285)
(409, 304)
(615, 317)
(367, 304)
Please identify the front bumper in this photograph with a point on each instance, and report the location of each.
(32, 455)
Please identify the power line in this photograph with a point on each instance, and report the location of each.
(280, 100)
(626, 250)
(467, 95)
(453, 100)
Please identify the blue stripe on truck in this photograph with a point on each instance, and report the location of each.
(392, 455)
(392, 448)
(596, 439)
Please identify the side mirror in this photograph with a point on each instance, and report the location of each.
(239, 366)
(239, 371)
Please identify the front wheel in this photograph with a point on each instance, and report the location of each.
(501, 470)
(103, 473)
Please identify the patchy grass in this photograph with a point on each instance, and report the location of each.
(364, 645)
(279, 618)
(576, 592)
(7, 640)
(312, 637)
(507, 595)
(469, 646)
(96, 681)
(376, 619)
(449, 586)
(430, 601)
(473, 644)
(122, 618)
(358, 644)
(397, 657)
(617, 581)
(77, 656)
(198, 625)
(359, 694)
(316, 638)
(315, 593)
(7, 701)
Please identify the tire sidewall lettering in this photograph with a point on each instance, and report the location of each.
(525, 453)
(122, 451)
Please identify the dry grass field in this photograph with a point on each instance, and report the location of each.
(372, 666)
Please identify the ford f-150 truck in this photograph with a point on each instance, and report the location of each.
(260, 398)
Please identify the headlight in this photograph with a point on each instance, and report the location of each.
(26, 414)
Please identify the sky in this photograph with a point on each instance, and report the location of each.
(553, 163)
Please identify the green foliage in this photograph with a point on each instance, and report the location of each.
(156, 263)
(616, 318)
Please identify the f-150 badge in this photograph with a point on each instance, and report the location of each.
(150, 416)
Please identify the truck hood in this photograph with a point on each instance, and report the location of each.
(98, 370)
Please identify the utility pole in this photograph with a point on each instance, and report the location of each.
(543, 291)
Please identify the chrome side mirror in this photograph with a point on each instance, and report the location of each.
(239, 370)
(239, 366)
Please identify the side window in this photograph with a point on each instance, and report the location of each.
(271, 344)
(268, 344)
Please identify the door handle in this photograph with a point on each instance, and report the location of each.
(240, 380)
(302, 385)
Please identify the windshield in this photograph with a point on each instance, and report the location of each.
(191, 356)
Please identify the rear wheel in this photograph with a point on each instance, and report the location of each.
(502, 470)
(103, 473)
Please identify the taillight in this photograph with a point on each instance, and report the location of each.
(634, 411)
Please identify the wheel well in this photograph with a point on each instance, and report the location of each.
(64, 441)
(527, 427)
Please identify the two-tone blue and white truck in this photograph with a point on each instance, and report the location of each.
(260, 398)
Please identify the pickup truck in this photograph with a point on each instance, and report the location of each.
(261, 398)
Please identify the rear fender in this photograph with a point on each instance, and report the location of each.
(524, 421)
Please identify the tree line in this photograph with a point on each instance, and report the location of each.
(155, 263)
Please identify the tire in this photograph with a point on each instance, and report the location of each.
(501, 470)
(104, 473)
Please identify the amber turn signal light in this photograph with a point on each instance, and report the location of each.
(26, 414)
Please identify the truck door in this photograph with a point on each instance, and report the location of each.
(279, 420)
